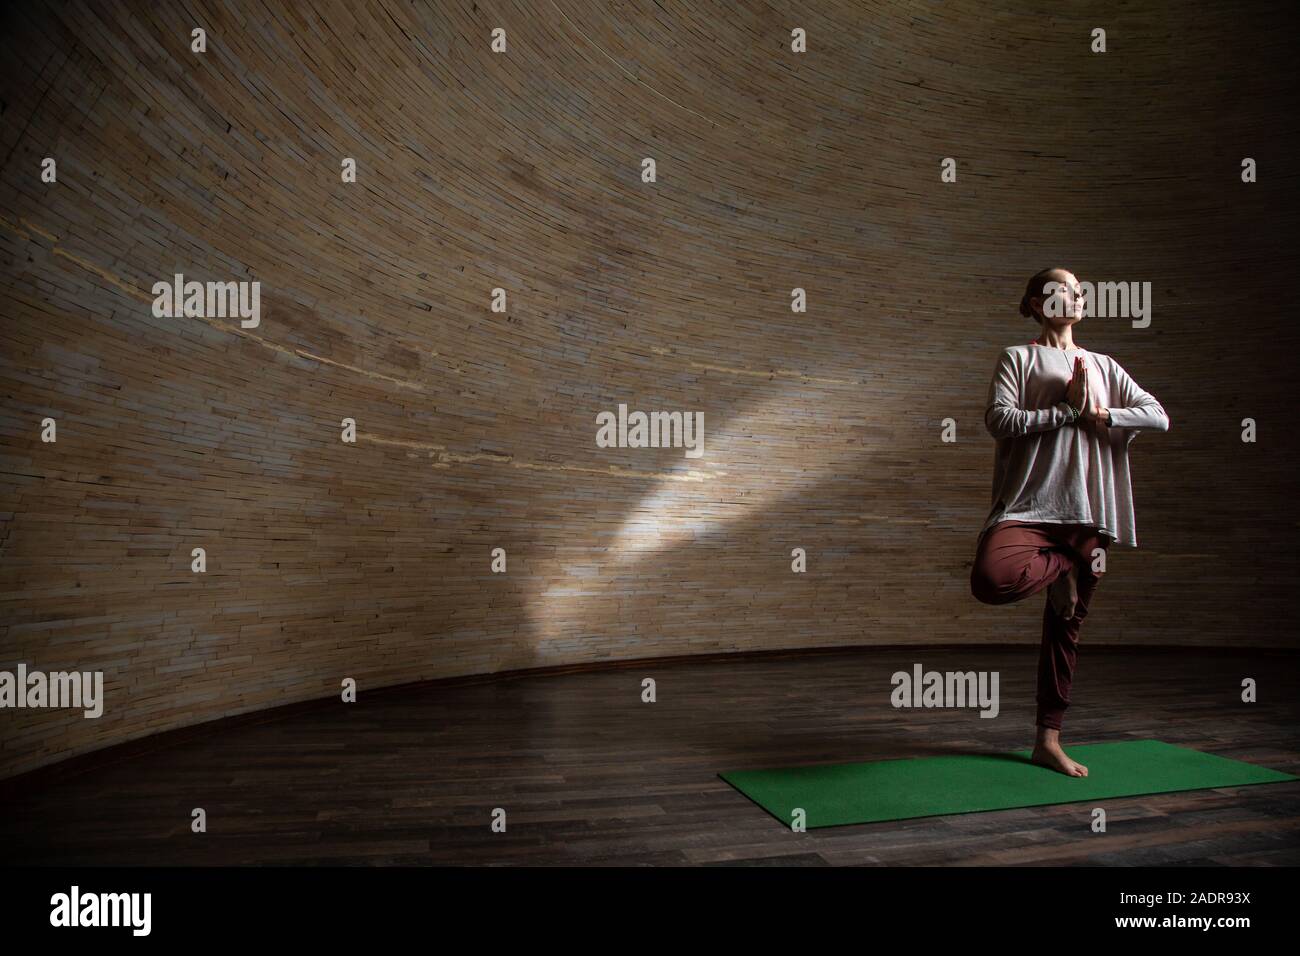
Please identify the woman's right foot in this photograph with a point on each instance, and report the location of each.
(1064, 593)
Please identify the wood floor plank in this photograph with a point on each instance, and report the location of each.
(589, 775)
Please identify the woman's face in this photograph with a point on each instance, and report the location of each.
(1063, 304)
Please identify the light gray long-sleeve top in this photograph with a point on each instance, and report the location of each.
(1051, 470)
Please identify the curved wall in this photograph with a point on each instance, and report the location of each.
(476, 430)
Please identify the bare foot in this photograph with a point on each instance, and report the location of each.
(1048, 753)
(1063, 593)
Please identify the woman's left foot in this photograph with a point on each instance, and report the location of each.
(1050, 755)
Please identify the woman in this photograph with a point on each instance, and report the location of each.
(1063, 418)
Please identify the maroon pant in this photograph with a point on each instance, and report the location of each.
(1015, 559)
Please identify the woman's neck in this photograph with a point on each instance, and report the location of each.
(1056, 338)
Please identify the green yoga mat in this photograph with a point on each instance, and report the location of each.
(837, 794)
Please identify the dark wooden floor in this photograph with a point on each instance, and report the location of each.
(590, 775)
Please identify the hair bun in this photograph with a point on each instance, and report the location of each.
(1037, 287)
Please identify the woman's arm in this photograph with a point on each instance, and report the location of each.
(1138, 408)
(1003, 416)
